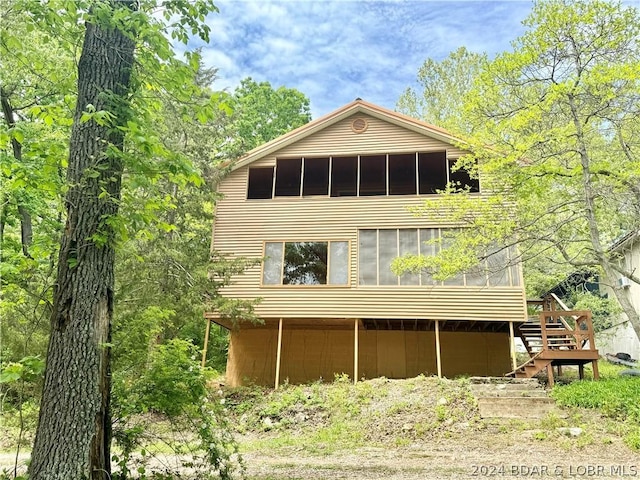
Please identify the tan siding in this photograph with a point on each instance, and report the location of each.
(242, 226)
(437, 303)
(380, 137)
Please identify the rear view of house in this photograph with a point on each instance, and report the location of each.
(325, 207)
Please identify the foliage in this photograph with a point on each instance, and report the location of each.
(615, 397)
(37, 103)
(261, 113)
(173, 389)
(443, 85)
(553, 132)
(19, 382)
(604, 310)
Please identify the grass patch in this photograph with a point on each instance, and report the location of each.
(613, 396)
(617, 398)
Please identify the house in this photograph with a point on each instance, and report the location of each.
(325, 207)
(621, 337)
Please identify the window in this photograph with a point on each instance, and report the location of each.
(378, 248)
(316, 176)
(260, 182)
(432, 172)
(402, 174)
(424, 173)
(344, 176)
(306, 263)
(373, 175)
(288, 176)
(461, 178)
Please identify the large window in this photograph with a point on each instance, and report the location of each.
(378, 248)
(306, 263)
(423, 173)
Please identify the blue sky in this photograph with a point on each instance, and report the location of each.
(335, 51)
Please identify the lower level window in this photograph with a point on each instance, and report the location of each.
(306, 263)
(378, 248)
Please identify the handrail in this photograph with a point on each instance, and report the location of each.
(579, 333)
(564, 307)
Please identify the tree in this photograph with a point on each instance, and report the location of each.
(261, 113)
(73, 436)
(34, 130)
(561, 115)
(443, 85)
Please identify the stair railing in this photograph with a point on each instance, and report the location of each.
(558, 338)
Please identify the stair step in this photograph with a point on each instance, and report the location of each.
(515, 407)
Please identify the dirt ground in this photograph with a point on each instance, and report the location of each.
(419, 429)
(514, 454)
(491, 454)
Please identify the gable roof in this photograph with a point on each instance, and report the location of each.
(355, 107)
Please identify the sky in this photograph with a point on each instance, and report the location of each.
(337, 51)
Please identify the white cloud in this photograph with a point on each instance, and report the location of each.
(334, 51)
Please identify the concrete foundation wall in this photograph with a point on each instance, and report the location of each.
(312, 354)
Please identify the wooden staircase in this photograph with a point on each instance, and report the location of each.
(556, 338)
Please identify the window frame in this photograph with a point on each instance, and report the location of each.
(289, 285)
(512, 272)
(446, 167)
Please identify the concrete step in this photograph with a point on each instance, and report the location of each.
(511, 397)
(515, 407)
(509, 389)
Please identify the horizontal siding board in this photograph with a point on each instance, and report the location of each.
(435, 303)
(242, 226)
(380, 137)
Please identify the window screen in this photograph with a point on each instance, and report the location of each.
(272, 269)
(260, 183)
(402, 174)
(344, 176)
(408, 241)
(338, 263)
(432, 172)
(316, 176)
(387, 251)
(368, 257)
(288, 175)
(462, 179)
(373, 175)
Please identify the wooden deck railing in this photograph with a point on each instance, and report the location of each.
(558, 333)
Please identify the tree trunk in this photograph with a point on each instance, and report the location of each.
(592, 222)
(26, 228)
(74, 435)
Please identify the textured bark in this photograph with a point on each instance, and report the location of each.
(73, 435)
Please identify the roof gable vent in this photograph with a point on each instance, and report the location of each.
(359, 125)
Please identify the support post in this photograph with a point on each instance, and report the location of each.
(438, 358)
(355, 351)
(596, 372)
(512, 347)
(206, 342)
(278, 354)
(550, 380)
(581, 371)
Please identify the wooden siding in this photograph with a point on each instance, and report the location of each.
(308, 354)
(242, 226)
(380, 137)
